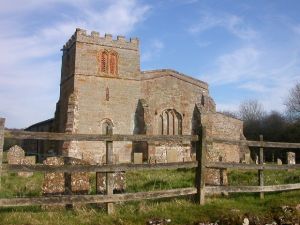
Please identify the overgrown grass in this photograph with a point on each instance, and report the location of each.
(179, 210)
(271, 177)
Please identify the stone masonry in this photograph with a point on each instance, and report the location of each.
(104, 91)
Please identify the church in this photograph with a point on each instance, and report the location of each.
(104, 91)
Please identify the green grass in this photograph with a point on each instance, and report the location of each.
(271, 177)
(179, 210)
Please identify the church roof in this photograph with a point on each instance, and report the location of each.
(153, 74)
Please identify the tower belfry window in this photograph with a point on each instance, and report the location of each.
(113, 62)
(104, 62)
(108, 62)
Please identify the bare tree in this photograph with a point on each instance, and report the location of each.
(251, 110)
(292, 102)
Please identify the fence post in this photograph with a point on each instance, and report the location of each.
(109, 176)
(2, 122)
(261, 162)
(200, 170)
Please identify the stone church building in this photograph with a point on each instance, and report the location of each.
(103, 91)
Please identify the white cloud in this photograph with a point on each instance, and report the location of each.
(30, 50)
(232, 23)
(232, 67)
(155, 48)
(256, 71)
(253, 86)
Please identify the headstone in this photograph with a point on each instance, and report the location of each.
(291, 158)
(256, 158)
(119, 182)
(15, 155)
(79, 182)
(27, 160)
(247, 158)
(54, 183)
(119, 179)
(279, 161)
(193, 156)
(65, 183)
(172, 155)
(137, 158)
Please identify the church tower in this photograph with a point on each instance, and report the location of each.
(100, 88)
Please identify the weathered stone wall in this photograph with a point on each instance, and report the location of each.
(167, 89)
(221, 126)
(100, 96)
(94, 110)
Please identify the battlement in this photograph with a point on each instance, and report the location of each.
(94, 37)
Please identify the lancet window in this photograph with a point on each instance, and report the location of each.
(170, 122)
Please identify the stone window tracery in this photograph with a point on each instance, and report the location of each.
(108, 61)
(104, 62)
(113, 62)
(170, 122)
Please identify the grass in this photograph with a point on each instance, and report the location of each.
(179, 210)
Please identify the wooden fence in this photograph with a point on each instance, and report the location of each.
(198, 191)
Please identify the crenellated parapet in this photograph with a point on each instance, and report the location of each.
(94, 37)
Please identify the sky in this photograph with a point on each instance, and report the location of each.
(242, 49)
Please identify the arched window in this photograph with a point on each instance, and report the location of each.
(108, 62)
(107, 127)
(113, 63)
(104, 62)
(170, 122)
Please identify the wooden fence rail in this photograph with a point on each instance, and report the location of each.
(97, 168)
(264, 144)
(71, 199)
(242, 166)
(199, 191)
(13, 134)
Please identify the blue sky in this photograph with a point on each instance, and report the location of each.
(243, 49)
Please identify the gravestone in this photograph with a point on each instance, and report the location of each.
(137, 158)
(65, 183)
(78, 182)
(279, 161)
(119, 182)
(119, 179)
(54, 183)
(27, 160)
(15, 155)
(172, 155)
(247, 158)
(291, 158)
